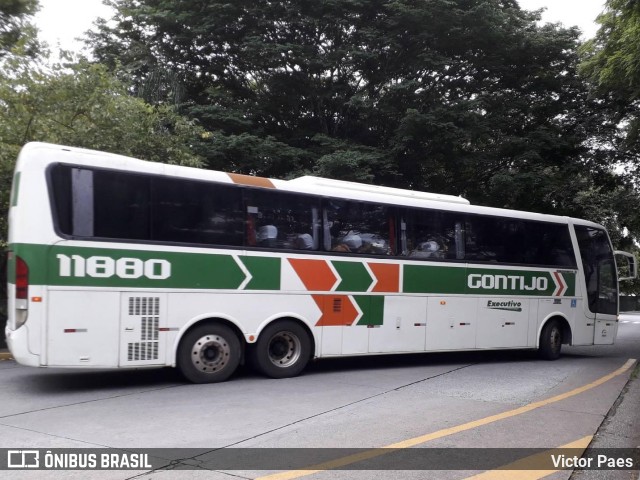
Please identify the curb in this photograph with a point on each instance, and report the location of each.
(619, 429)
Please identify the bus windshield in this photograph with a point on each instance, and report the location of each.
(599, 269)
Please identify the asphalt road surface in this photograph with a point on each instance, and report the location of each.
(339, 408)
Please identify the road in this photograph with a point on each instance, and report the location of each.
(462, 400)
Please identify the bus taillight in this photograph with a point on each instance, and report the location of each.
(22, 279)
(22, 292)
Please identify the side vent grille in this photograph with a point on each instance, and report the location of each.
(144, 306)
(142, 351)
(148, 309)
(337, 305)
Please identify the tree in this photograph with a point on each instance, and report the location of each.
(15, 29)
(81, 104)
(465, 97)
(611, 62)
(612, 58)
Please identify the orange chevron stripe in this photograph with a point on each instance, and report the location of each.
(315, 274)
(388, 276)
(337, 310)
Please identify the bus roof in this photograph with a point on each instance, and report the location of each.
(309, 180)
(304, 185)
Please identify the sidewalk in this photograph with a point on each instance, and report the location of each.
(620, 429)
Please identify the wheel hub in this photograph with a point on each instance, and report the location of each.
(284, 349)
(210, 353)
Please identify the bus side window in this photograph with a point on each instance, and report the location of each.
(518, 241)
(550, 244)
(121, 205)
(281, 220)
(358, 227)
(432, 234)
(195, 212)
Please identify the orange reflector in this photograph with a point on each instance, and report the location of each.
(251, 338)
(442, 302)
(36, 299)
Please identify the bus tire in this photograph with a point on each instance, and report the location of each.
(209, 353)
(550, 341)
(283, 350)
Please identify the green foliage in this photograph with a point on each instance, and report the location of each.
(454, 96)
(611, 62)
(15, 30)
(466, 97)
(612, 57)
(82, 104)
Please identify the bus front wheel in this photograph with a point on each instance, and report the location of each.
(209, 353)
(550, 341)
(283, 350)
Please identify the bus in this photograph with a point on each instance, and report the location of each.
(122, 263)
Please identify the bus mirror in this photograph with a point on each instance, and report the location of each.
(627, 265)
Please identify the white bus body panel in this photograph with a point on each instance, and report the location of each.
(83, 328)
(97, 327)
(451, 323)
(404, 326)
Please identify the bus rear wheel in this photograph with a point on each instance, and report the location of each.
(282, 350)
(209, 353)
(550, 341)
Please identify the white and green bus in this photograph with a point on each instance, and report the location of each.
(121, 263)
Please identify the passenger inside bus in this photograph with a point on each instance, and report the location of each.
(267, 236)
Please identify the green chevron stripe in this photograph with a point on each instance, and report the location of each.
(203, 270)
(265, 273)
(188, 270)
(570, 279)
(372, 307)
(354, 275)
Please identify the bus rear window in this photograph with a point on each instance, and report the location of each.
(100, 203)
(108, 204)
(120, 206)
(60, 180)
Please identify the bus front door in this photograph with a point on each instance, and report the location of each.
(600, 280)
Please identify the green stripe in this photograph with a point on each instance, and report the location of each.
(570, 279)
(197, 270)
(35, 257)
(483, 281)
(11, 269)
(354, 275)
(434, 279)
(265, 273)
(188, 270)
(372, 307)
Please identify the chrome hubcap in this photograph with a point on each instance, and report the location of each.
(210, 353)
(284, 349)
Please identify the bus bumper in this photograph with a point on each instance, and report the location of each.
(17, 341)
